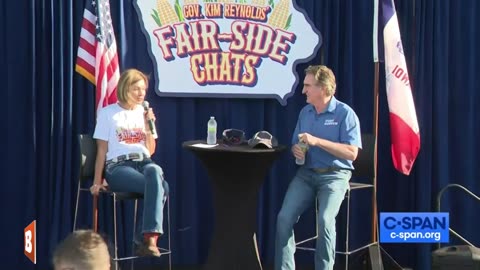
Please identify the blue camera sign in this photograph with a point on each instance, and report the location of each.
(411, 227)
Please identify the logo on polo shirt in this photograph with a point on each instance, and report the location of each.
(330, 122)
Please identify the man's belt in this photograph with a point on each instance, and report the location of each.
(327, 170)
(131, 156)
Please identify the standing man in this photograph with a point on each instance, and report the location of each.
(331, 131)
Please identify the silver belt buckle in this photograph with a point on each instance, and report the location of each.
(138, 159)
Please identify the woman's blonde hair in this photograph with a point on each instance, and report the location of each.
(127, 79)
(324, 77)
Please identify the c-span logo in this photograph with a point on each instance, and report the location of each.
(29, 240)
(414, 227)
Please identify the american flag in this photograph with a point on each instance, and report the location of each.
(97, 58)
(404, 127)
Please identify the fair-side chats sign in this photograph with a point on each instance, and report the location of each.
(242, 48)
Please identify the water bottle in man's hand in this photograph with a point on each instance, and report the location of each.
(304, 148)
(212, 131)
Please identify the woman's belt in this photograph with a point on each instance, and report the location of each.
(131, 156)
(328, 169)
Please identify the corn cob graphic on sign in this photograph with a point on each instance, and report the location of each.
(227, 48)
(259, 2)
(280, 14)
(166, 12)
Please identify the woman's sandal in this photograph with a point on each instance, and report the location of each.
(145, 250)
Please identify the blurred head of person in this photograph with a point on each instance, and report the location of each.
(82, 250)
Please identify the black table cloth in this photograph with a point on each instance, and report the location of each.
(236, 174)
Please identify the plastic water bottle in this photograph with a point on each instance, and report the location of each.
(304, 148)
(212, 131)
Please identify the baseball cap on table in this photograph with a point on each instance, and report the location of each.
(233, 136)
(263, 139)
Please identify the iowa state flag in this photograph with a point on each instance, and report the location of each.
(403, 118)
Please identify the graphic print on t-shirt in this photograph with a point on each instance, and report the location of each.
(130, 135)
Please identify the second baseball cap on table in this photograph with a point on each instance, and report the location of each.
(233, 136)
(263, 139)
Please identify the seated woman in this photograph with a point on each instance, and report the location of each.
(125, 143)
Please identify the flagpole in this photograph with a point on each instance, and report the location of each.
(376, 252)
(375, 119)
(375, 162)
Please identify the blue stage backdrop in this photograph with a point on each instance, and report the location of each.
(48, 104)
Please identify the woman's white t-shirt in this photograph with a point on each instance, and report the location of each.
(124, 130)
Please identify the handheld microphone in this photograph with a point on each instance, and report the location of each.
(151, 124)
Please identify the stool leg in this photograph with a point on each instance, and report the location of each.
(95, 213)
(347, 253)
(316, 217)
(115, 230)
(76, 207)
(169, 235)
(134, 231)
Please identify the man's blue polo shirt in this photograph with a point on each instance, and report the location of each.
(338, 123)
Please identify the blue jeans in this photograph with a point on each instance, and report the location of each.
(329, 189)
(144, 177)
